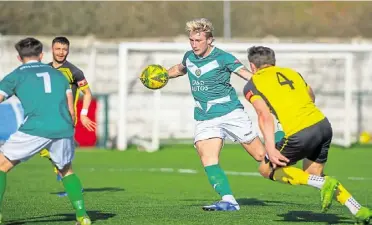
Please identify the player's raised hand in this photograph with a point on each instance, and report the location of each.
(88, 123)
(277, 159)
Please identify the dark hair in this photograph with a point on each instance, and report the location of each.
(260, 55)
(62, 40)
(29, 47)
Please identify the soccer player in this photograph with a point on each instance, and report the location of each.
(60, 49)
(48, 107)
(218, 112)
(308, 133)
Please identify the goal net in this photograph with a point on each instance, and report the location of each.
(147, 117)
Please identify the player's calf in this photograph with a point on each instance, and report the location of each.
(255, 148)
(73, 188)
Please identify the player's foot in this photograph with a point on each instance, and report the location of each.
(84, 220)
(221, 206)
(44, 153)
(327, 192)
(363, 216)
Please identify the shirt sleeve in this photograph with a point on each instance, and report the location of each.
(79, 79)
(185, 58)
(250, 92)
(8, 85)
(232, 63)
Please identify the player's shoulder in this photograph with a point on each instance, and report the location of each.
(221, 53)
(72, 67)
(287, 70)
(188, 54)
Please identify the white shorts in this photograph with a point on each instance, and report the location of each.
(21, 146)
(235, 125)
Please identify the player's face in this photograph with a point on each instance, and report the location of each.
(199, 42)
(60, 52)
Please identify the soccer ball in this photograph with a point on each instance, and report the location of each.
(154, 77)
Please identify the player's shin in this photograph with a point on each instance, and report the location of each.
(73, 188)
(219, 182)
(345, 198)
(295, 176)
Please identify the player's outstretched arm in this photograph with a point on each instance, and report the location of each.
(85, 121)
(244, 73)
(176, 71)
(266, 124)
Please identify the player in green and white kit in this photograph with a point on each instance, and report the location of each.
(218, 112)
(47, 101)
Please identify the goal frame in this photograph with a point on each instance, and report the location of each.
(337, 50)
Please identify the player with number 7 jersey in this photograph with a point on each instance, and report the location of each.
(46, 115)
(30, 83)
(47, 101)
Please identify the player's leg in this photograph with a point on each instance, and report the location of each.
(209, 151)
(208, 142)
(362, 214)
(5, 166)
(238, 127)
(314, 164)
(295, 148)
(19, 147)
(45, 154)
(62, 153)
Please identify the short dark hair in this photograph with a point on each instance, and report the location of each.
(29, 47)
(62, 40)
(260, 55)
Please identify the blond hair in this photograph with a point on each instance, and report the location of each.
(200, 25)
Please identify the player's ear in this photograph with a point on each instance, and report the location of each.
(41, 56)
(253, 67)
(209, 40)
(19, 58)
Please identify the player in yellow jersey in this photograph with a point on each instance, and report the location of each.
(77, 80)
(308, 133)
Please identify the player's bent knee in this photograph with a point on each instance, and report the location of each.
(265, 170)
(259, 156)
(66, 170)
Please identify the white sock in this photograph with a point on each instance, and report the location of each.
(352, 205)
(316, 181)
(231, 199)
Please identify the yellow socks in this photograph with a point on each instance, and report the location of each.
(294, 176)
(345, 198)
(290, 175)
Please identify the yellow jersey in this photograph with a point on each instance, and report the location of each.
(287, 95)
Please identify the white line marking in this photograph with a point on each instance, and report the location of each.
(193, 171)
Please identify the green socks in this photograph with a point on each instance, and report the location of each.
(73, 189)
(2, 185)
(218, 180)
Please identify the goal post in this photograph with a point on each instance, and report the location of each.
(146, 117)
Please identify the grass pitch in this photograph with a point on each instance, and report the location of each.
(169, 187)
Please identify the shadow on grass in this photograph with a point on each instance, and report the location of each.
(103, 189)
(309, 216)
(94, 216)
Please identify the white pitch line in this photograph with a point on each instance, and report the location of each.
(193, 171)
